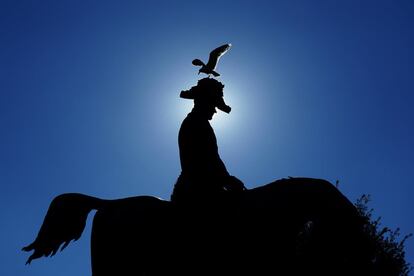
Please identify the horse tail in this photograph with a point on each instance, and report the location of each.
(64, 221)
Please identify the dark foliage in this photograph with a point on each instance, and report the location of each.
(387, 251)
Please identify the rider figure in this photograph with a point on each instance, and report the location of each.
(203, 173)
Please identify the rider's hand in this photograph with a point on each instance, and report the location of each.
(233, 184)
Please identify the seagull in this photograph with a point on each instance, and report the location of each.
(212, 61)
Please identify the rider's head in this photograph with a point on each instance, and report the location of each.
(207, 95)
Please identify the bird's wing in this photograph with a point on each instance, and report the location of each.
(216, 54)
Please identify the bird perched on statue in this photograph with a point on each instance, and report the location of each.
(212, 61)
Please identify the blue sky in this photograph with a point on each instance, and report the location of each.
(90, 103)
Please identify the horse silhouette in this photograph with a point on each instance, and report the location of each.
(291, 226)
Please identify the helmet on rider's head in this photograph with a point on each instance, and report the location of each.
(207, 90)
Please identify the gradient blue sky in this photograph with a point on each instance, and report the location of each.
(89, 103)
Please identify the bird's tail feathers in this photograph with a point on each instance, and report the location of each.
(198, 62)
(64, 221)
(215, 73)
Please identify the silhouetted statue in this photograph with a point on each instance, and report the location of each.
(204, 175)
(295, 226)
(212, 61)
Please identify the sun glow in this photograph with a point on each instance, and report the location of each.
(223, 121)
